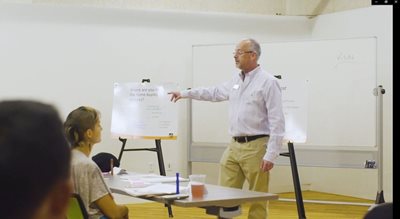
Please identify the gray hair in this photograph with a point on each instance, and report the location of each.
(255, 46)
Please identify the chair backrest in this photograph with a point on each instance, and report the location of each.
(103, 161)
(76, 208)
(380, 211)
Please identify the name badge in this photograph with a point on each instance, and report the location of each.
(236, 86)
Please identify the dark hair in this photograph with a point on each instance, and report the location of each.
(78, 122)
(34, 156)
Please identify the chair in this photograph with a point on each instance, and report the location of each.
(76, 208)
(380, 211)
(103, 161)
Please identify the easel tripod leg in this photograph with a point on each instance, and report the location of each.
(296, 182)
(162, 170)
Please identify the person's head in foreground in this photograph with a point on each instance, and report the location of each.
(34, 161)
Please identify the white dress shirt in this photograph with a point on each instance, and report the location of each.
(255, 106)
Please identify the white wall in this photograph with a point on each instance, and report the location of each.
(70, 56)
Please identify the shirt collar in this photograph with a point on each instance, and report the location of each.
(251, 73)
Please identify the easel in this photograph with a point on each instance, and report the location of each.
(160, 159)
(157, 149)
(296, 181)
(295, 174)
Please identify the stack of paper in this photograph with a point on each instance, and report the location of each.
(154, 189)
(152, 178)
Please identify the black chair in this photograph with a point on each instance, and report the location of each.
(103, 161)
(380, 211)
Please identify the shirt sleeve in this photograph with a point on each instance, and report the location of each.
(276, 121)
(98, 187)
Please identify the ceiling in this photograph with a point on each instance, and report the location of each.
(258, 7)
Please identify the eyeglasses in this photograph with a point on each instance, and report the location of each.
(240, 52)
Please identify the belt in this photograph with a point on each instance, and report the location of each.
(243, 139)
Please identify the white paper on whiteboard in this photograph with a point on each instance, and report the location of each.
(294, 100)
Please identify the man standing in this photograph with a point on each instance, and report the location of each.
(256, 123)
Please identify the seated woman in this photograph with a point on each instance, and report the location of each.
(83, 131)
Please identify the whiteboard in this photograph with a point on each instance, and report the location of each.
(341, 75)
(142, 110)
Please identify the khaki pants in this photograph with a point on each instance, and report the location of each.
(240, 162)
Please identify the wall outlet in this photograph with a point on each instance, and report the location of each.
(151, 167)
(169, 167)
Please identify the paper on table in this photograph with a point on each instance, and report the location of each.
(138, 184)
(155, 189)
(152, 178)
(163, 179)
(119, 171)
